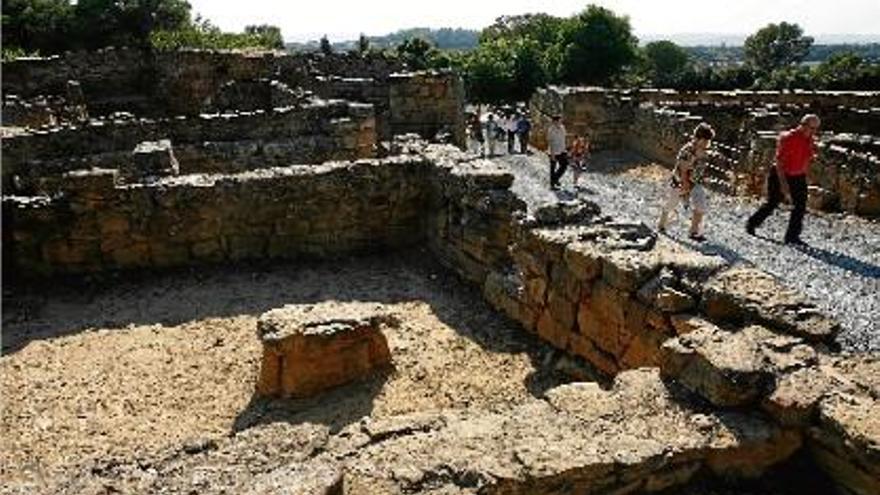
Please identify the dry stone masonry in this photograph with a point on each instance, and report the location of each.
(714, 368)
(308, 349)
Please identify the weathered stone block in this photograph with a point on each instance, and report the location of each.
(311, 348)
(742, 294)
(151, 159)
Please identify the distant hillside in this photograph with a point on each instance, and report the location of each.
(818, 53)
(727, 39)
(444, 38)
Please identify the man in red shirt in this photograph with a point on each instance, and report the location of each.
(794, 151)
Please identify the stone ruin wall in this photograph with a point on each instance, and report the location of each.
(210, 143)
(611, 294)
(845, 176)
(190, 82)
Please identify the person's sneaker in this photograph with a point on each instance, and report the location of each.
(750, 229)
(697, 237)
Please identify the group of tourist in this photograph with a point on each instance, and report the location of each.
(487, 131)
(785, 179)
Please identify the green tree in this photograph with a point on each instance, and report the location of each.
(777, 46)
(542, 28)
(665, 62)
(847, 71)
(326, 47)
(101, 23)
(37, 25)
(363, 45)
(415, 52)
(595, 46)
(271, 35)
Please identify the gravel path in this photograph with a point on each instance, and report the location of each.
(840, 269)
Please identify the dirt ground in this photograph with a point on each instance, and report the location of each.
(132, 368)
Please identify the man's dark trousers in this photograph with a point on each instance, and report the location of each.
(558, 166)
(797, 186)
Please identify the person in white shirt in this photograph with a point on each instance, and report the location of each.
(557, 151)
(490, 129)
(510, 127)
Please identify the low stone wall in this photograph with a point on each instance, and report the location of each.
(593, 111)
(830, 99)
(179, 82)
(427, 103)
(613, 294)
(327, 210)
(315, 132)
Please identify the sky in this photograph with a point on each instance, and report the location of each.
(343, 20)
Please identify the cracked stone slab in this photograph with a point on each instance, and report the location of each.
(636, 436)
(746, 294)
(732, 368)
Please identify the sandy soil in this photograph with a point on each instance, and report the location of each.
(133, 369)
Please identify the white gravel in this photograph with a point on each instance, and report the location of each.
(840, 269)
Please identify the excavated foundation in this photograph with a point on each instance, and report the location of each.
(532, 351)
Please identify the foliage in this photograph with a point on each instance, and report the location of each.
(53, 26)
(503, 70)
(202, 34)
(544, 29)
(595, 46)
(270, 35)
(363, 44)
(777, 46)
(326, 47)
(12, 53)
(847, 71)
(36, 25)
(99, 23)
(665, 62)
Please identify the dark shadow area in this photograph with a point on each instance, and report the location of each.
(839, 260)
(336, 408)
(798, 475)
(842, 261)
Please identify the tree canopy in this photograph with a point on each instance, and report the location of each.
(54, 26)
(777, 46)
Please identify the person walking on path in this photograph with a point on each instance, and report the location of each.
(580, 153)
(491, 128)
(686, 182)
(795, 150)
(510, 128)
(556, 149)
(523, 127)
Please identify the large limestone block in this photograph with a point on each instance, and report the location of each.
(640, 436)
(747, 294)
(310, 348)
(151, 159)
(732, 368)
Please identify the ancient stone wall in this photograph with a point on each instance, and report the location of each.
(182, 82)
(613, 294)
(315, 132)
(427, 103)
(584, 111)
(97, 224)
